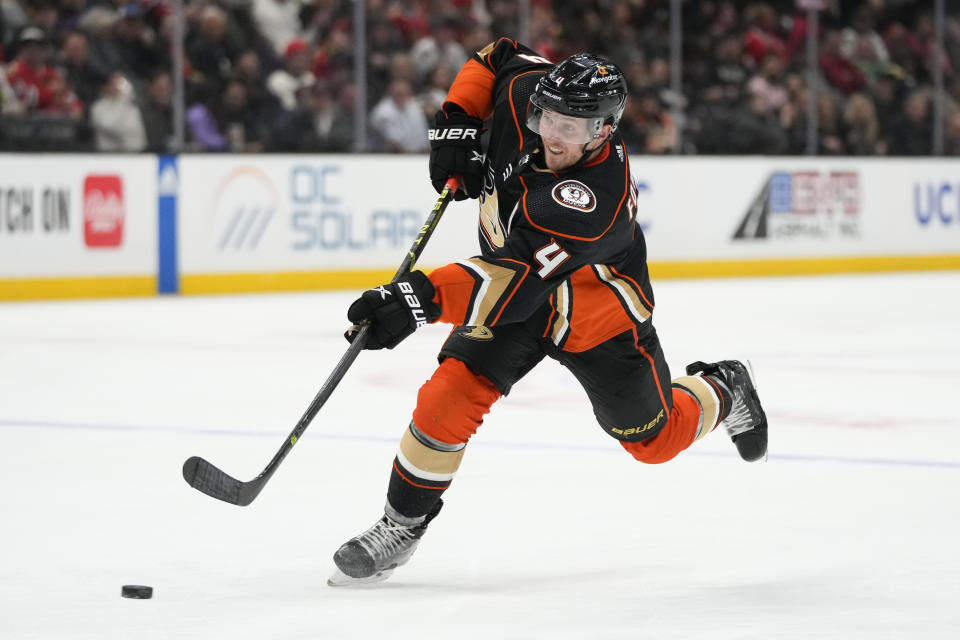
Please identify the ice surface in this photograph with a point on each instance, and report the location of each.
(850, 530)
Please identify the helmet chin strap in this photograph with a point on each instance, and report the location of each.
(584, 155)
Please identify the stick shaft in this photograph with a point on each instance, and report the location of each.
(207, 478)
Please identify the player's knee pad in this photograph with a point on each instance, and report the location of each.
(452, 403)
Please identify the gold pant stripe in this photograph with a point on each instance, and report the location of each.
(427, 463)
(706, 397)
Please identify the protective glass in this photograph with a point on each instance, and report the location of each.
(557, 126)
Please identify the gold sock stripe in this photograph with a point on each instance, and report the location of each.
(706, 396)
(427, 463)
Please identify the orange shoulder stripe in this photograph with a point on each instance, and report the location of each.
(472, 90)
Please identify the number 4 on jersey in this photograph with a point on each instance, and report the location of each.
(550, 257)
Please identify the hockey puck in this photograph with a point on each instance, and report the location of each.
(136, 591)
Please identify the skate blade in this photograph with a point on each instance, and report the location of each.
(340, 579)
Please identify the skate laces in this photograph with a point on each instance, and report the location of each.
(386, 539)
(741, 418)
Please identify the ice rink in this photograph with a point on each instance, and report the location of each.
(850, 530)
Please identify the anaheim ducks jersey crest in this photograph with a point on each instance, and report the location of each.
(568, 240)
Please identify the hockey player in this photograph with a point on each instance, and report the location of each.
(562, 274)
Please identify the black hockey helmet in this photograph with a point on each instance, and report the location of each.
(582, 86)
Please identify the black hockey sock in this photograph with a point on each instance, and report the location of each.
(422, 471)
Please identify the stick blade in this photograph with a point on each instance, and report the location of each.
(208, 479)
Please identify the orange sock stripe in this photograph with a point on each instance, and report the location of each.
(411, 482)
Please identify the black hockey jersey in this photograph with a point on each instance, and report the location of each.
(568, 240)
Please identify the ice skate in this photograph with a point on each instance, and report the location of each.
(746, 423)
(373, 555)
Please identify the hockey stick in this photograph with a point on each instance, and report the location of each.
(207, 478)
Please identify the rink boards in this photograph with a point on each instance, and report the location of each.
(115, 225)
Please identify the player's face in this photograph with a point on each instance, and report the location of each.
(557, 131)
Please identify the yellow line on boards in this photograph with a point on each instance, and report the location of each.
(282, 281)
(87, 287)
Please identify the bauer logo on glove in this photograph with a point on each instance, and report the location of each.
(455, 150)
(454, 133)
(393, 310)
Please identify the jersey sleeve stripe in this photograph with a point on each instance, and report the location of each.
(523, 276)
(626, 293)
(494, 281)
(484, 55)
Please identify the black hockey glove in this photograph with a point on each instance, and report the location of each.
(455, 151)
(394, 310)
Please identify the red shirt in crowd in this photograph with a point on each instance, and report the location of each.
(42, 89)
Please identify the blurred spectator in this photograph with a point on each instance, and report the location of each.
(156, 110)
(767, 84)
(830, 126)
(136, 44)
(439, 46)
(12, 20)
(656, 125)
(728, 76)
(438, 85)
(293, 76)
(838, 69)
(39, 87)
(762, 37)
(244, 132)
(115, 118)
(951, 143)
(913, 135)
(792, 115)
(264, 104)
(862, 127)
(741, 129)
(861, 40)
(317, 125)
(279, 22)
(44, 14)
(398, 121)
(887, 95)
(83, 76)
(9, 104)
(387, 50)
(211, 50)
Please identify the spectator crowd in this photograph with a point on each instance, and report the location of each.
(278, 75)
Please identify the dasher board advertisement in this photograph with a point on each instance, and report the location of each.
(312, 213)
(70, 216)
